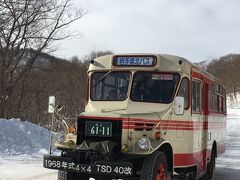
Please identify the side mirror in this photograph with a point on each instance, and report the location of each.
(179, 105)
(51, 104)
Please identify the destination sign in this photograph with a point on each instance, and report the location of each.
(134, 61)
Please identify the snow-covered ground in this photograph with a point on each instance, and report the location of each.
(228, 164)
(21, 150)
(231, 158)
(25, 167)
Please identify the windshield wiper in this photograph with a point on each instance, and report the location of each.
(102, 78)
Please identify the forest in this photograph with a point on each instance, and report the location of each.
(227, 69)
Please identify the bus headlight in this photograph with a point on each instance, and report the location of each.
(60, 137)
(144, 143)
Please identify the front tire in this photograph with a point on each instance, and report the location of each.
(155, 167)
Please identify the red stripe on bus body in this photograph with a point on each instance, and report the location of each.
(169, 128)
(139, 120)
(175, 126)
(179, 123)
(130, 123)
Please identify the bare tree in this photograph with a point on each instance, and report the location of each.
(227, 69)
(24, 25)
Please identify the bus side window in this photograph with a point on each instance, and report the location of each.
(221, 99)
(224, 101)
(210, 97)
(196, 96)
(184, 92)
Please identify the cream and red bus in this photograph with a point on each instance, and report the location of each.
(148, 117)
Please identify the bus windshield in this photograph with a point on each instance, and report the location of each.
(110, 86)
(154, 87)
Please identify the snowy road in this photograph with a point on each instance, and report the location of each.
(27, 167)
(24, 168)
(228, 164)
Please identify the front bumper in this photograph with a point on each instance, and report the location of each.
(115, 169)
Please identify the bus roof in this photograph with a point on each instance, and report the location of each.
(163, 62)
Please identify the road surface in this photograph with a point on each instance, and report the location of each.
(228, 164)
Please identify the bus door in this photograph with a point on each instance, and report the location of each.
(198, 100)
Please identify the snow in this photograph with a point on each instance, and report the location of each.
(231, 158)
(25, 167)
(203, 64)
(19, 137)
(23, 145)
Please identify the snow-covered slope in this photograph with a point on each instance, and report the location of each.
(19, 137)
(203, 64)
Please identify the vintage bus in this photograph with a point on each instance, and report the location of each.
(148, 117)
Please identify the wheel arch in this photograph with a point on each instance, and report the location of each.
(167, 149)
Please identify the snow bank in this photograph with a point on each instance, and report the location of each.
(17, 137)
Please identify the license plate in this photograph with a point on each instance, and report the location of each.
(97, 128)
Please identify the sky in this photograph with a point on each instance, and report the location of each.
(194, 29)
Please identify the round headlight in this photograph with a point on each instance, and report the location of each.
(60, 137)
(144, 143)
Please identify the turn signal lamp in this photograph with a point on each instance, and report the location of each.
(72, 130)
(158, 135)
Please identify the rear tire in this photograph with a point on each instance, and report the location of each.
(155, 167)
(210, 167)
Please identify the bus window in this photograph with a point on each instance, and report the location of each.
(215, 103)
(184, 92)
(210, 99)
(220, 104)
(221, 99)
(109, 86)
(196, 96)
(224, 101)
(154, 87)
